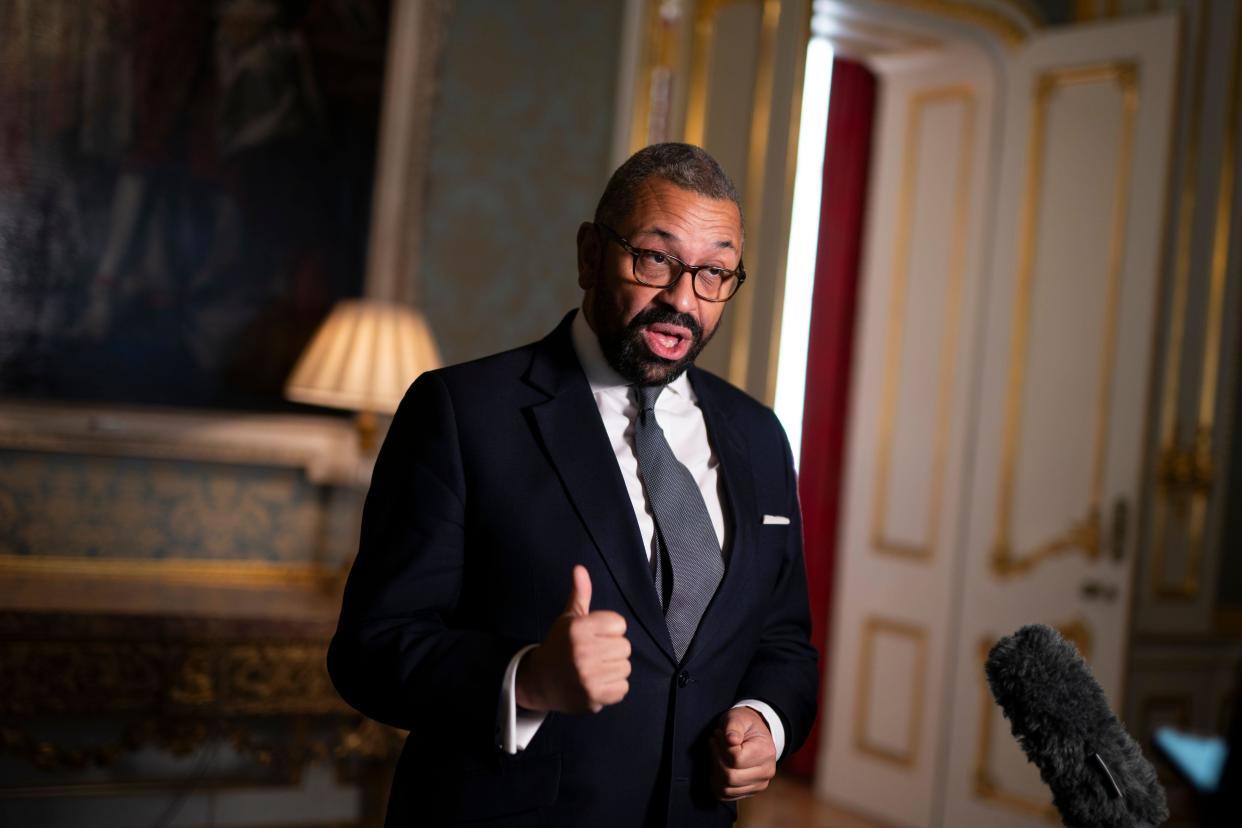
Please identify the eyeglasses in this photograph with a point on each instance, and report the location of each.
(655, 268)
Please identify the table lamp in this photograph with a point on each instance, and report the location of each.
(363, 358)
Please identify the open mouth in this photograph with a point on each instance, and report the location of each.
(668, 341)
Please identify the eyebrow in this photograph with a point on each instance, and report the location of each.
(723, 244)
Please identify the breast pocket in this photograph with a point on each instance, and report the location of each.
(773, 550)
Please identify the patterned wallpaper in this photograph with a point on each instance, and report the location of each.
(519, 154)
(60, 504)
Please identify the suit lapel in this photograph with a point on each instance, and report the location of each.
(570, 427)
(730, 448)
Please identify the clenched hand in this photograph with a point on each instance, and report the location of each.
(744, 755)
(583, 663)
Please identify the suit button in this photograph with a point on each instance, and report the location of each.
(683, 679)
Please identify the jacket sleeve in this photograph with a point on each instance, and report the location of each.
(784, 671)
(401, 646)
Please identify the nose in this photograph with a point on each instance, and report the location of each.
(680, 294)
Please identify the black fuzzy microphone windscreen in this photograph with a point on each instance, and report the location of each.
(1097, 773)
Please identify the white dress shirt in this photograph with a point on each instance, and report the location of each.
(681, 420)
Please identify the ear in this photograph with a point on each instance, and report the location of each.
(590, 255)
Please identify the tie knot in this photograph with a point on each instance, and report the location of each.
(647, 395)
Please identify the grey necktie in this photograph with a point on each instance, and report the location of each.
(685, 539)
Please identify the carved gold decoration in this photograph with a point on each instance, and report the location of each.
(1184, 479)
(1175, 469)
(873, 628)
(704, 28)
(1185, 475)
(695, 132)
(986, 786)
(175, 684)
(58, 677)
(653, 96)
(965, 96)
(204, 573)
(756, 164)
(1085, 534)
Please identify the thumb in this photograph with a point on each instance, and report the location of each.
(580, 596)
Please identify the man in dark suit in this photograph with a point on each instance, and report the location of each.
(580, 583)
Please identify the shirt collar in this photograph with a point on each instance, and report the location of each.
(602, 376)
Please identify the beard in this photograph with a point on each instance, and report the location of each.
(627, 353)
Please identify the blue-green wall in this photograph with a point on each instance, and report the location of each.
(519, 152)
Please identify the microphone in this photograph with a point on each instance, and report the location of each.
(1058, 713)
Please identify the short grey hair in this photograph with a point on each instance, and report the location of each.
(683, 165)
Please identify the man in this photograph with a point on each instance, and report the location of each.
(580, 583)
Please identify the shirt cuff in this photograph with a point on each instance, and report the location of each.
(516, 727)
(771, 718)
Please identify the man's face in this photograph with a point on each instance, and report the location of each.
(648, 334)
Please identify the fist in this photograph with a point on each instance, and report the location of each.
(744, 755)
(584, 662)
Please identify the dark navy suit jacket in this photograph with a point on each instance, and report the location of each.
(495, 479)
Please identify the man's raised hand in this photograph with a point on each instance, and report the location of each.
(583, 663)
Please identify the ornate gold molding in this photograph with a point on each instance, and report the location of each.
(704, 28)
(178, 684)
(653, 96)
(1086, 533)
(864, 694)
(1220, 252)
(1185, 474)
(1176, 467)
(238, 573)
(186, 677)
(964, 95)
(756, 164)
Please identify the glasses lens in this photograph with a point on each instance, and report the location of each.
(655, 268)
(714, 283)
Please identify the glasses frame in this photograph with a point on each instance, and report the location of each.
(693, 270)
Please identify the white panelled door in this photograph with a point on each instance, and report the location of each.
(998, 406)
(1063, 388)
(892, 633)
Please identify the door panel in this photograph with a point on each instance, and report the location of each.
(909, 412)
(1064, 379)
(1003, 359)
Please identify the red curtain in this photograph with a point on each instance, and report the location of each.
(846, 155)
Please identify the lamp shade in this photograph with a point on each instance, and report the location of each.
(363, 357)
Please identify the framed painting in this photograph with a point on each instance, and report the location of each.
(183, 194)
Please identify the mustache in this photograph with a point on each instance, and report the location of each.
(668, 316)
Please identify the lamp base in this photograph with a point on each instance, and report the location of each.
(367, 427)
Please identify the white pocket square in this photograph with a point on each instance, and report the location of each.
(775, 520)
